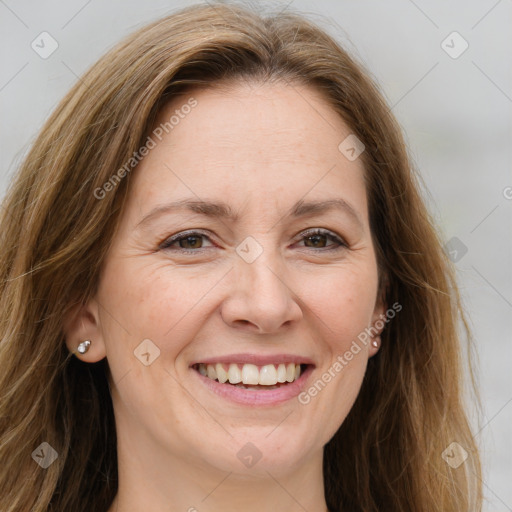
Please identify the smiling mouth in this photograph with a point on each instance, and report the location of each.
(251, 376)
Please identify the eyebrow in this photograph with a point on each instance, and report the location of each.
(219, 209)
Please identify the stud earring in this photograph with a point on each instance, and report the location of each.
(83, 347)
(375, 343)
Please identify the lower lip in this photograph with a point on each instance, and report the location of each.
(256, 397)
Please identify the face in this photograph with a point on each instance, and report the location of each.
(244, 252)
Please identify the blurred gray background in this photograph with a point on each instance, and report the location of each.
(454, 104)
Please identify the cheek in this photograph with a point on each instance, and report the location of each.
(155, 302)
(342, 307)
(344, 301)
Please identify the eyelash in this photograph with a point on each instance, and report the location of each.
(166, 245)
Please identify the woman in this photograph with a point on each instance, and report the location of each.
(221, 289)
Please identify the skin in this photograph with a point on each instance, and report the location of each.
(260, 148)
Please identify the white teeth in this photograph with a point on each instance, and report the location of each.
(234, 374)
(222, 375)
(290, 372)
(250, 374)
(268, 375)
(210, 371)
(281, 373)
(253, 388)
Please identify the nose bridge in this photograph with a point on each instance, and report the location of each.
(260, 294)
(260, 268)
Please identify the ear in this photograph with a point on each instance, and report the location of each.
(378, 317)
(82, 323)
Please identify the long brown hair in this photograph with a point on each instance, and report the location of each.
(55, 233)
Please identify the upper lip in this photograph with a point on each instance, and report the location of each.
(256, 359)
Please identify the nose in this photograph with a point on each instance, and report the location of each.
(259, 297)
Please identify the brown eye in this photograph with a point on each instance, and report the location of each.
(319, 239)
(316, 241)
(192, 241)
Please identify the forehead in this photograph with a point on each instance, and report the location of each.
(254, 118)
(256, 142)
